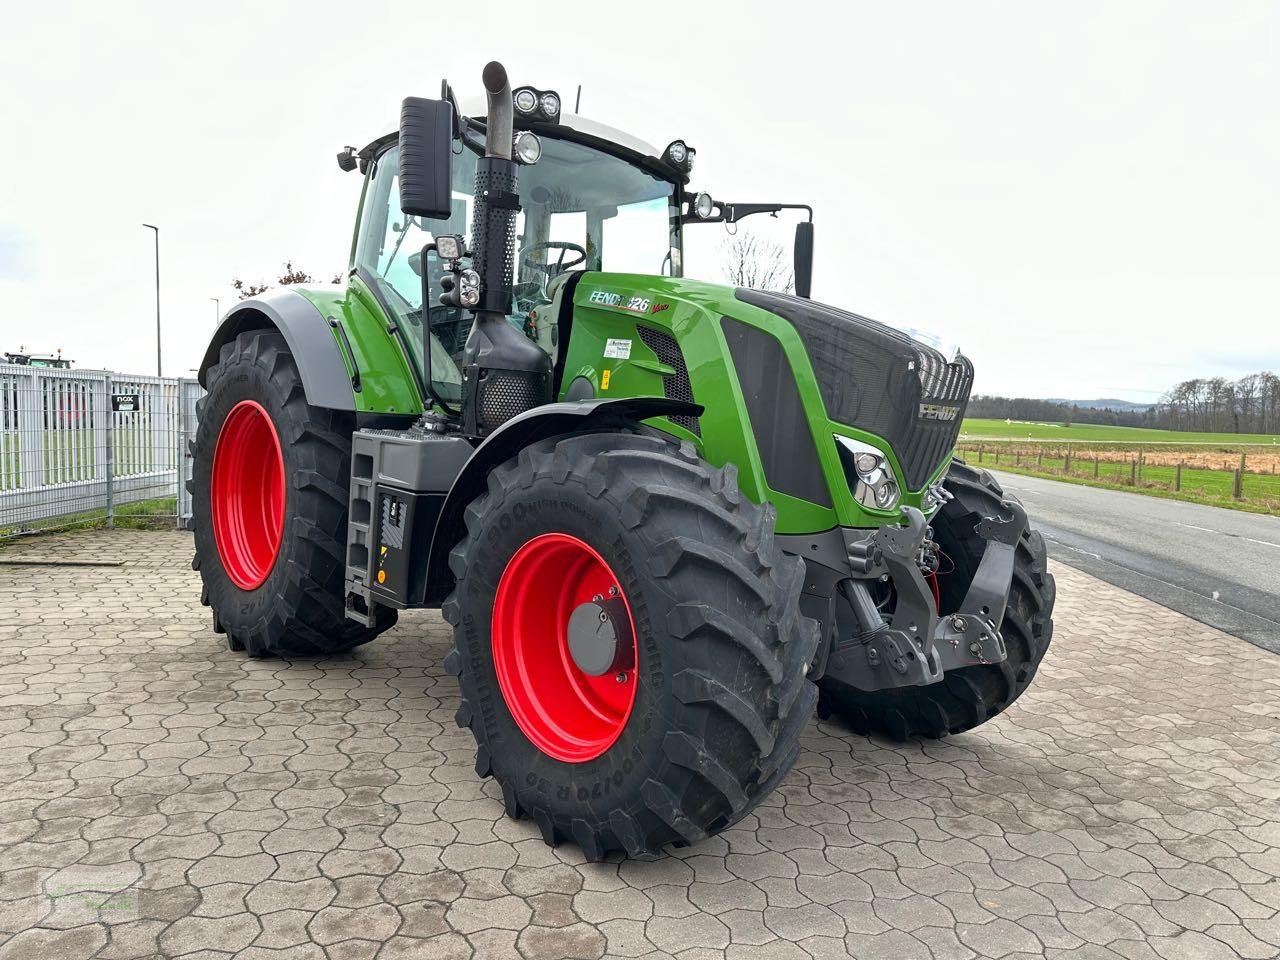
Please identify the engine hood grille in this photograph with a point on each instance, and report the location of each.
(880, 380)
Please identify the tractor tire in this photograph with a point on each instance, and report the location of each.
(700, 711)
(269, 500)
(970, 696)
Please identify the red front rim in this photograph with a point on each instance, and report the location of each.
(247, 495)
(565, 713)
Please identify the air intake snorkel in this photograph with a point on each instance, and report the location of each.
(504, 373)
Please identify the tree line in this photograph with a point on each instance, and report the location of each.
(1250, 404)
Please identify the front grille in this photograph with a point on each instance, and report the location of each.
(676, 386)
(880, 380)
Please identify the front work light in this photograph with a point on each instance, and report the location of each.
(703, 205)
(527, 147)
(449, 246)
(680, 155)
(534, 104)
(526, 100)
(869, 475)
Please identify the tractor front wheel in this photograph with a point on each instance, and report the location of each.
(628, 642)
(269, 497)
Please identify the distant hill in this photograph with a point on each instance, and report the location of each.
(1127, 406)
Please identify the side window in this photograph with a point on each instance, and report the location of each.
(391, 241)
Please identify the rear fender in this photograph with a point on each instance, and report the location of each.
(554, 419)
(325, 377)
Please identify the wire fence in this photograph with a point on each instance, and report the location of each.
(1208, 473)
(83, 448)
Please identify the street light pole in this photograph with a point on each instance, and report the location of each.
(157, 233)
(217, 310)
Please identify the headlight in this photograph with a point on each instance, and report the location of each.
(703, 205)
(869, 474)
(550, 104)
(526, 100)
(527, 146)
(469, 288)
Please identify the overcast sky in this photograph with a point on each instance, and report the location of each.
(1082, 195)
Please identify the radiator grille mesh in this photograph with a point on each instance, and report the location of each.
(677, 386)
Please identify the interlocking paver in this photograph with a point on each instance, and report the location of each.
(162, 796)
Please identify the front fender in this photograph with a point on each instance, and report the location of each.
(325, 376)
(550, 420)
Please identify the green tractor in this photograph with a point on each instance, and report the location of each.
(666, 519)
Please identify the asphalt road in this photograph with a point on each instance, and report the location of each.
(1221, 567)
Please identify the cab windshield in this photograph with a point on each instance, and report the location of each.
(582, 209)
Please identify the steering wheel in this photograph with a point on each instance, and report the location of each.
(552, 270)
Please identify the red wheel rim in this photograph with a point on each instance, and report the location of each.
(566, 713)
(247, 495)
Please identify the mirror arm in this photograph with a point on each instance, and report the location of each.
(733, 212)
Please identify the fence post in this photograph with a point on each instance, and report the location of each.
(1133, 473)
(111, 456)
(1237, 488)
(980, 451)
(1095, 466)
(1177, 477)
(30, 436)
(1066, 464)
(1039, 457)
(1139, 471)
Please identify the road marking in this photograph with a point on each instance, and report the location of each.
(1205, 529)
(1174, 586)
(1265, 543)
(1096, 556)
(1224, 533)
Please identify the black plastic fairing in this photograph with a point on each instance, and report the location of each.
(778, 421)
(880, 380)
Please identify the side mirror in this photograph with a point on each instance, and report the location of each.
(426, 157)
(804, 258)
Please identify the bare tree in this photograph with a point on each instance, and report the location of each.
(291, 275)
(757, 264)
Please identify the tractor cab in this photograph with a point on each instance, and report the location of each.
(592, 198)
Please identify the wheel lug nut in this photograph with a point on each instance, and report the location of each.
(614, 591)
(621, 677)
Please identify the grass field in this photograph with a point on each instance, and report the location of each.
(1142, 461)
(1094, 433)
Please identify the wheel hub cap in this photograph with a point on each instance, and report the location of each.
(564, 647)
(246, 495)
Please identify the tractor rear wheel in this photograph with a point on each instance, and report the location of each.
(628, 642)
(970, 696)
(269, 498)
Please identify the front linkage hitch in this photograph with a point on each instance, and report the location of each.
(916, 646)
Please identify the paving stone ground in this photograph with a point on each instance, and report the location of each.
(161, 796)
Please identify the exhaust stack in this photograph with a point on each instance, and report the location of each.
(504, 372)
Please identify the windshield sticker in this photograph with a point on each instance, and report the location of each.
(617, 349)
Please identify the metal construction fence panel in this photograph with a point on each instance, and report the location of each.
(80, 447)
